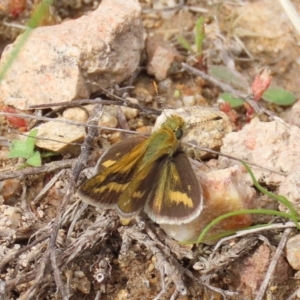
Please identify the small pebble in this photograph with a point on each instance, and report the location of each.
(150, 268)
(78, 274)
(130, 113)
(75, 114)
(293, 252)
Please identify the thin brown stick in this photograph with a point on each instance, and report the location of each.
(57, 278)
(253, 231)
(273, 264)
(65, 121)
(47, 187)
(235, 158)
(53, 112)
(46, 168)
(85, 151)
(15, 254)
(120, 102)
(222, 85)
(202, 283)
(38, 276)
(122, 119)
(294, 295)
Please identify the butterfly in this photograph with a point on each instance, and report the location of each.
(151, 174)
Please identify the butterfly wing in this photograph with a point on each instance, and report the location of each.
(117, 168)
(136, 193)
(176, 196)
(117, 151)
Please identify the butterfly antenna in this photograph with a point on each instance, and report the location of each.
(205, 121)
(158, 98)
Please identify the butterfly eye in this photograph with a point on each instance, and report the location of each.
(179, 134)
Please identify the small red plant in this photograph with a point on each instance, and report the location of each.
(260, 84)
(16, 7)
(14, 121)
(231, 113)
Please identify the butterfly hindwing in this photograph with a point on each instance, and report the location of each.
(136, 193)
(176, 196)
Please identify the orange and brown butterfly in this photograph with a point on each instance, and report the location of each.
(150, 174)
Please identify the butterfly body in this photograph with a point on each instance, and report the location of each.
(147, 173)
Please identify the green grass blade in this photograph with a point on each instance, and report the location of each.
(199, 35)
(184, 43)
(240, 212)
(33, 22)
(293, 213)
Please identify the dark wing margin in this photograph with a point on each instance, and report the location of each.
(176, 198)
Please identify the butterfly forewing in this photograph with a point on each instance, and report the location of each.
(117, 168)
(118, 151)
(176, 196)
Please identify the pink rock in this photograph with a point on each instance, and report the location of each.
(10, 190)
(57, 61)
(293, 116)
(274, 145)
(293, 252)
(252, 270)
(290, 188)
(161, 57)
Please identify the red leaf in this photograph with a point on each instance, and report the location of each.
(14, 121)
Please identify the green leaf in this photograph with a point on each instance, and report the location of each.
(234, 102)
(19, 149)
(184, 43)
(30, 141)
(279, 96)
(23, 149)
(35, 160)
(199, 34)
(229, 76)
(48, 154)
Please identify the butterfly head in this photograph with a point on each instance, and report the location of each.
(176, 124)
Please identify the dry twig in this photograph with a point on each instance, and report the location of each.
(14, 255)
(218, 262)
(162, 264)
(66, 121)
(46, 168)
(104, 225)
(273, 264)
(83, 157)
(120, 102)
